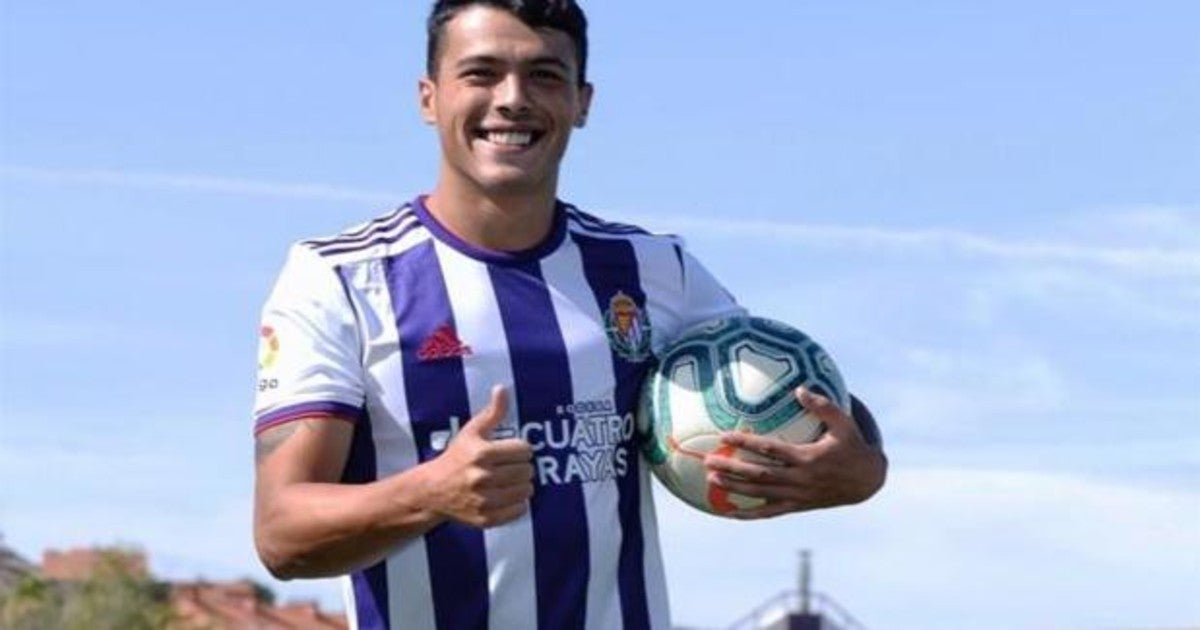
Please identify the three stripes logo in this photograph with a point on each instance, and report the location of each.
(443, 343)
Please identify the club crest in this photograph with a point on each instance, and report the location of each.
(628, 328)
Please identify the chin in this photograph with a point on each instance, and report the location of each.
(510, 183)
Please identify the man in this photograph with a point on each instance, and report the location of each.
(420, 376)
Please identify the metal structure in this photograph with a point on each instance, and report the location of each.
(799, 609)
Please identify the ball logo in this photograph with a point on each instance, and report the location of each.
(268, 350)
(628, 328)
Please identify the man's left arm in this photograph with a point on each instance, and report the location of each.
(846, 465)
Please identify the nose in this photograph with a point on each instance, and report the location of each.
(511, 96)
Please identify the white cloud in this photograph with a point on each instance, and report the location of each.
(1158, 302)
(966, 393)
(197, 183)
(956, 548)
(1178, 224)
(1170, 260)
(1136, 259)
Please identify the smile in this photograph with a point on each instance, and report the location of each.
(510, 137)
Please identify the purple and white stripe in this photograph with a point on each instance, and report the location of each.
(358, 232)
(436, 392)
(382, 231)
(592, 222)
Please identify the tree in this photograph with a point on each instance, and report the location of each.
(111, 598)
(32, 604)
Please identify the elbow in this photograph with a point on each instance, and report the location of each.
(286, 562)
(282, 571)
(279, 550)
(279, 555)
(280, 564)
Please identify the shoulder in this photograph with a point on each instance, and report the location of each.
(586, 224)
(371, 239)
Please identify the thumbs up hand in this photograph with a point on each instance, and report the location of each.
(479, 480)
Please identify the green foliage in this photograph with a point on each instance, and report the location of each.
(112, 598)
(32, 605)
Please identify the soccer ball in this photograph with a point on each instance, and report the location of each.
(733, 374)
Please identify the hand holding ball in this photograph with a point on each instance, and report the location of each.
(735, 374)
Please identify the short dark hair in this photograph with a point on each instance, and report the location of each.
(560, 15)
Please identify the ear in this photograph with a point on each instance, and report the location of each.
(427, 92)
(585, 104)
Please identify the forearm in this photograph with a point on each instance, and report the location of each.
(308, 530)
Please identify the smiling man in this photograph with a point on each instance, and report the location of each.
(504, 98)
(444, 415)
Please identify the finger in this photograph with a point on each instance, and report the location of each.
(773, 450)
(767, 510)
(835, 418)
(752, 488)
(500, 452)
(490, 417)
(750, 471)
(499, 498)
(509, 475)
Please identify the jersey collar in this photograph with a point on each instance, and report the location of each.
(558, 231)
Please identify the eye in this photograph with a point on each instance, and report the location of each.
(546, 75)
(478, 74)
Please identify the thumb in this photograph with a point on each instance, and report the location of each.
(834, 417)
(491, 416)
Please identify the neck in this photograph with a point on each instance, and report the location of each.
(495, 221)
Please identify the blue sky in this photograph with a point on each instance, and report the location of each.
(989, 213)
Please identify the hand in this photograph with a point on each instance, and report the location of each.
(481, 481)
(839, 468)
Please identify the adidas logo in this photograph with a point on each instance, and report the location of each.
(443, 344)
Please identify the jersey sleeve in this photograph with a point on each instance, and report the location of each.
(704, 297)
(309, 359)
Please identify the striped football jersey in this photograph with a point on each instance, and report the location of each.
(404, 327)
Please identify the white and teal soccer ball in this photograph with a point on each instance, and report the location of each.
(734, 374)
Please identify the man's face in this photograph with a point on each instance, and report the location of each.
(504, 100)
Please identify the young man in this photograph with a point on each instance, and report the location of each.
(423, 378)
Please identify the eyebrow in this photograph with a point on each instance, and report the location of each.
(546, 60)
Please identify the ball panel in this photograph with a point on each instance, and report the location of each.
(745, 342)
(681, 398)
(756, 371)
(652, 427)
(826, 379)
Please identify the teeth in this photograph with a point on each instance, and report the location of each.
(515, 138)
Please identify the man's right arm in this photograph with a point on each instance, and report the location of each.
(306, 524)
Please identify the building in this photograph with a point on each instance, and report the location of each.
(76, 565)
(231, 605)
(243, 604)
